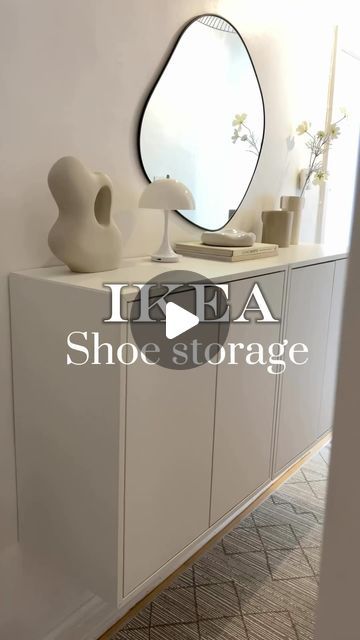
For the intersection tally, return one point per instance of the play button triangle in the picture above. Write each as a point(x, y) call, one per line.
point(178, 320)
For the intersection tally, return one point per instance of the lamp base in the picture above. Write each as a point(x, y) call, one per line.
point(159, 258)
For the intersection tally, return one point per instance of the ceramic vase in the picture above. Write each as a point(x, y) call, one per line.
point(277, 227)
point(296, 205)
point(84, 235)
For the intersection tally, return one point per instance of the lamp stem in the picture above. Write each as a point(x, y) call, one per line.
point(165, 252)
point(166, 228)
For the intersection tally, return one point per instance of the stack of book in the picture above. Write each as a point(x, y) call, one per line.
point(229, 254)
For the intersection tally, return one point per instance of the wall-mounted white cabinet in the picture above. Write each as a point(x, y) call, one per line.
point(124, 472)
point(332, 351)
point(307, 321)
point(169, 432)
point(245, 405)
point(313, 317)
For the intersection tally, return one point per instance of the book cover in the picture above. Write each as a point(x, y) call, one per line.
point(232, 254)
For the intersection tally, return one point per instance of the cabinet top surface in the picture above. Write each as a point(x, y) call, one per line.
point(140, 270)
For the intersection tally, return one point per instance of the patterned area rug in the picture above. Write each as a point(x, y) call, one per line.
point(259, 583)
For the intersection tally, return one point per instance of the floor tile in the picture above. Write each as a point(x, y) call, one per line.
point(297, 477)
point(242, 540)
point(141, 620)
point(212, 567)
point(270, 514)
point(223, 629)
point(304, 623)
point(278, 537)
point(288, 564)
point(298, 494)
point(260, 597)
point(308, 530)
point(270, 626)
point(175, 632)
point(134, 634)
point(316, 468)
point(301, 497)
point(318, 510)
point(174, 606)
point(249, 567)
point(246, 523)
point(185, 579)
point(319, 487)
point(217, 600)
point(299, 594)
point(326, 454)
point(313, 555)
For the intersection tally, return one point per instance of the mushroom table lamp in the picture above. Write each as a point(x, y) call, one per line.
point(167, 194)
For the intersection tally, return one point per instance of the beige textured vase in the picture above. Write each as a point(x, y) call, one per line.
point(277, 226)
point(295, 204)
point(84, 236)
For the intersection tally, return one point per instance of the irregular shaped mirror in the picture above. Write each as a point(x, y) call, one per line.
point(203, 122)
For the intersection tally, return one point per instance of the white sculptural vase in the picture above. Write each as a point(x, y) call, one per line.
point(84, 236)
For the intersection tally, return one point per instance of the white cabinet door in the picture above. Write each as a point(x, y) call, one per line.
point(245, 404)
point(309, 302)
point(331, 365)
point(169, 436)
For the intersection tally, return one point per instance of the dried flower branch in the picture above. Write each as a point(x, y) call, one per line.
point(244, 134)
point(318, 144)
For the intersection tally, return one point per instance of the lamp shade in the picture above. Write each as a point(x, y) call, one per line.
point(166, 193)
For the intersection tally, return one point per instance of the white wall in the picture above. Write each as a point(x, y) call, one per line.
point(73, 75)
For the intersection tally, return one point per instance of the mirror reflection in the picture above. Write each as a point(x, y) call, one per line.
point(203, 122)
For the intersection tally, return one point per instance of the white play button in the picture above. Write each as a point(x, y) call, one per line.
point(178, 320)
